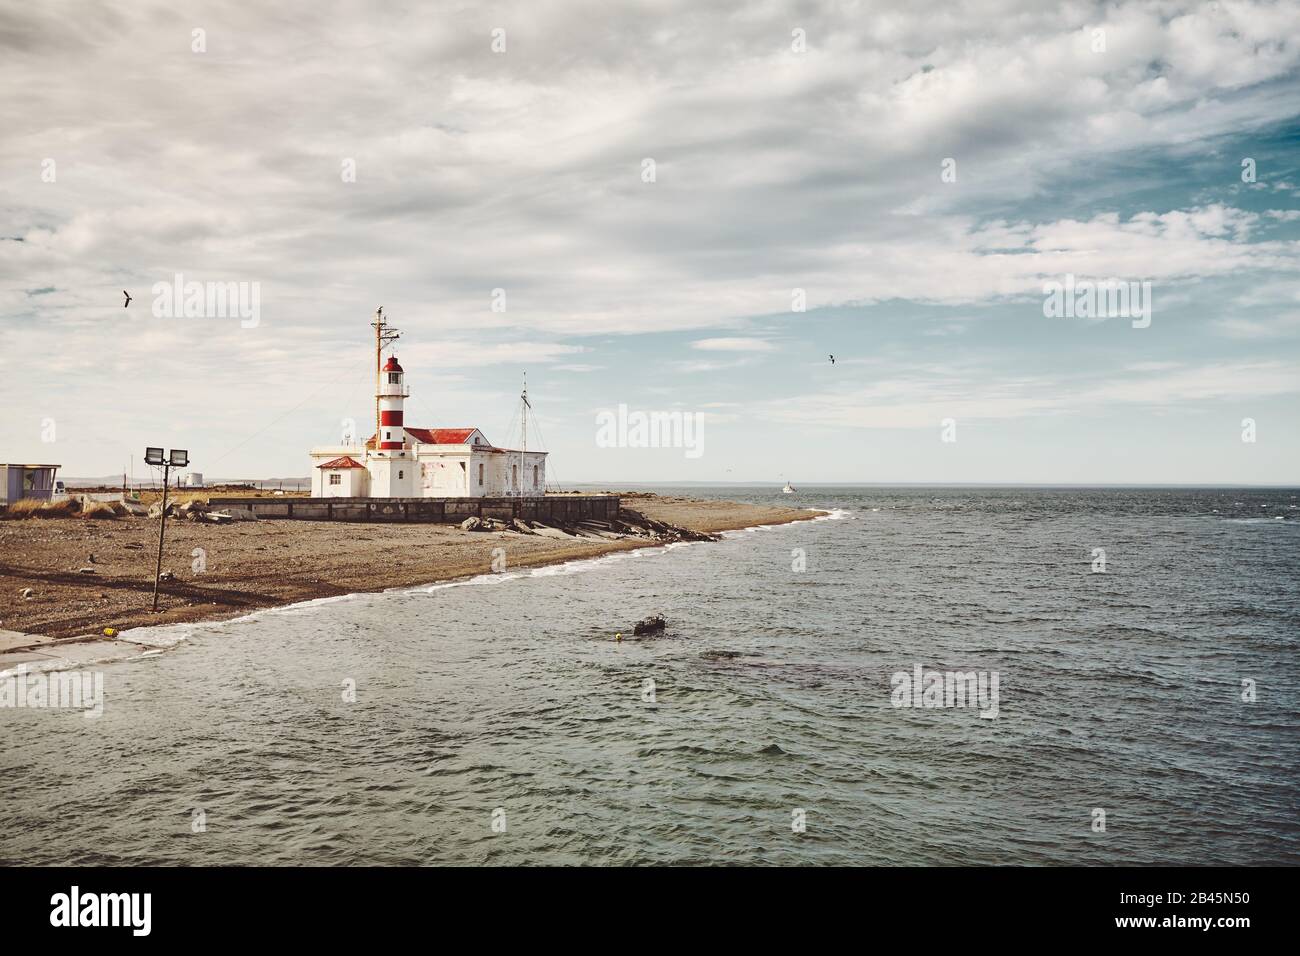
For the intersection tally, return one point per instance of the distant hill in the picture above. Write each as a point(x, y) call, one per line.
point(115, 481)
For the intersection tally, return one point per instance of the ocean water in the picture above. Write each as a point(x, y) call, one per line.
point(497, 721)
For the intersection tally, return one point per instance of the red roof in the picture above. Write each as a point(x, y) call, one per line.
point(344, 462)
point(441, 436)
point(436, 436)
point(392, 365)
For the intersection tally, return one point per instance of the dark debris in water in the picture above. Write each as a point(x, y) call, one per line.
point(724, 655)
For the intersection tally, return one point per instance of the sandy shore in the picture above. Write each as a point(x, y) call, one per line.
point(252, 565)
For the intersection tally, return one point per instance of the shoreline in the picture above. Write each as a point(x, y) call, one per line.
point(268, 564)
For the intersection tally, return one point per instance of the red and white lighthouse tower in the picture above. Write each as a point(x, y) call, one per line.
point(392, 393)
point(390, 462)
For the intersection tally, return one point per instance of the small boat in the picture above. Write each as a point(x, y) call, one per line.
point(651, 625)
point(788, 489)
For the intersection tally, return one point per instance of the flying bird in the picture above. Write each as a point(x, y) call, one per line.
point(128, 298)
point(832, 359)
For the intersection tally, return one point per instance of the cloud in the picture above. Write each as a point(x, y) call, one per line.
point(733, 345)
point(925, 397)
point(469, 354)
point(578, 368)
point(521, 171)
point(1282, 326)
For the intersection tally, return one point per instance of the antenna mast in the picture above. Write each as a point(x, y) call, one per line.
point(384, 334)
point(523, 397)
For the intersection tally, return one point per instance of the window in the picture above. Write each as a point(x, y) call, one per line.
point(534, 476)
point(480, 474)
point(394, 377)
point(476, 439)
point(514, 476)
point(336, 478)
point(400, 474)
point(387, 435)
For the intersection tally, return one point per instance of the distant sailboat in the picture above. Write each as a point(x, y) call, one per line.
point(788, 489)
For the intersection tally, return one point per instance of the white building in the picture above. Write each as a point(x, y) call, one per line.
point(26, 481)
point(405, 462)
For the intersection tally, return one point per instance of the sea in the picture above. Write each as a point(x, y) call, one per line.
point(1127, 692)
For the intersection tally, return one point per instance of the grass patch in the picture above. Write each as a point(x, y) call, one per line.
point(35, 508)
point(62, 508)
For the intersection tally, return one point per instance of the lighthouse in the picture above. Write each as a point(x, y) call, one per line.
point(402, 461)
point(392, 392)
point(391, 462)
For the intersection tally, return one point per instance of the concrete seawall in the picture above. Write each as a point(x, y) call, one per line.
point(558, 509)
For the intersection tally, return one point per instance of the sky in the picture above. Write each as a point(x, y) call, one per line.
point(676, 207)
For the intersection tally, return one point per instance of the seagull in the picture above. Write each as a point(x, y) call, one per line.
point(128, 298)
point(832, 359)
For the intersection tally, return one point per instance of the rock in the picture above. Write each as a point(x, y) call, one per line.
point(650, 625)
point(166, 576)
point(217, 517)
point(721, 655)
point(27, 594)
point(521, 526)
point(86, 571)
point(192, 510)
point(470, 524)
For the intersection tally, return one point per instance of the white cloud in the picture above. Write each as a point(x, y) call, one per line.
point(521, 171)
point(1282, 326)
point(924, 397)
point(733, 345)
point(461, 354)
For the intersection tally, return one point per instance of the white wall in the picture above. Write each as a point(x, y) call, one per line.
point(444, 476)
point(323, 453)
point(430, 471)
point(393, 475)
point(501, 477)
point(352, 483)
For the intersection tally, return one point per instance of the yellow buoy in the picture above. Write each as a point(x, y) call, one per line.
point(618, 637)
point(110, 632)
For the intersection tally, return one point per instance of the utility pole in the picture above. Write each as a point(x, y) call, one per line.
point(154, 456)
point(524, 411)
point(162, 529)
point(384, 333)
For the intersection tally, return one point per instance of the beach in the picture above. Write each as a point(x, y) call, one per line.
point(222, 571)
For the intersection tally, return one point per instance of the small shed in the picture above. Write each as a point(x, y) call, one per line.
point(341, 478)
point(26, 481)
